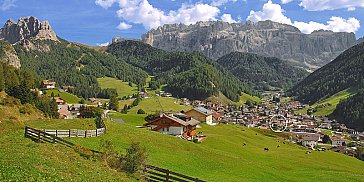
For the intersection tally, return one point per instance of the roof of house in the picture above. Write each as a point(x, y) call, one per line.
point(63, 112)
point(203, 110)
point(191, 122)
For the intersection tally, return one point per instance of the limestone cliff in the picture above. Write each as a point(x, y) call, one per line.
point(8, 54)
point(216, 39)
point(25, 29)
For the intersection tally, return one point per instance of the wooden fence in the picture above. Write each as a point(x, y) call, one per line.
point(151, 173)
point(156, 174)
point(76, 133)
point(41, 136)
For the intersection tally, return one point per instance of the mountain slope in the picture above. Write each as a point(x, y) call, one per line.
point(262, 72)
point(351, 111)
point(190, 75)
point(344, 72)
point(70, 64)
point(8, 54)
point(216, 39)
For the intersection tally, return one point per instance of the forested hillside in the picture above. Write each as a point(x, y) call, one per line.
point(190, 75)
point(73, 65)
point(344, 72)
point(351, 111)
point(261, 72)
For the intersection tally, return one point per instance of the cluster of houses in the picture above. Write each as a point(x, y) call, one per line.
point(162, 93)
point(306, 130)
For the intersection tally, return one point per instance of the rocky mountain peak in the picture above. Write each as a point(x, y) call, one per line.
point(216, 39)
point(27, 28)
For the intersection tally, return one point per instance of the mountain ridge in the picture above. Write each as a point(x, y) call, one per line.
point(27, 28)
point(216, 39)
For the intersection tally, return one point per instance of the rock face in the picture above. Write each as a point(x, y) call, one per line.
point(8, 54)
point(27, 28)
point(267, 38)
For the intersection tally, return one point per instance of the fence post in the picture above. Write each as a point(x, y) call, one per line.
point(96, 132)
point(69, 133)
point(56, 133)
point(54, 139)
point(85, 133)
point(38, 136)
point(167, 175)
point(26, 131)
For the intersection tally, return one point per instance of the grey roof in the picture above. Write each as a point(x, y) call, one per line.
point(203, 110)
point(191, 122)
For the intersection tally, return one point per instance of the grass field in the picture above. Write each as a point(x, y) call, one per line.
point(156, 104)
point(121, 87)
point(70, 98)
point(333, 100)
point(221, 98)
point(223, 157)
point(21, 159)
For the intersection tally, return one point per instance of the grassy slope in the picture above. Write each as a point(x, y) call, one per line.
point(155, 103)
point(121, 87)
point(222, 157)
point(21, 159)
point(221, 98)
point(70, 98)
point(333, 100)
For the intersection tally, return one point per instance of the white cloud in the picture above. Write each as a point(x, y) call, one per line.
point(124, 26)
point(7, 4)
point(275, 13)
point(351, 9)
point(221, 2)
point(286, 1)
point(227, 18)
point(103, 44)
point(142, 12)
point(320, 5)
point(105, 3)
point(270, 11)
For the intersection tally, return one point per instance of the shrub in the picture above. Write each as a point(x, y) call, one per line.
point(26, 109)
point(152, 117)
point(141, 111)
point(135, 159)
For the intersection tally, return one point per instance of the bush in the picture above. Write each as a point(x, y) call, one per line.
point(135, 159)
point(132, 162)
point(11, 101)
point(151, 117)
point(141, 111)
point(26, 109)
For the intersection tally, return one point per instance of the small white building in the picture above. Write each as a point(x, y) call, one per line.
point(338, 141)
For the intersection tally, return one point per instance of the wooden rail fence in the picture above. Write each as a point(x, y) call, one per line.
point(151, 173)
point(76, 133)
point(156, 174)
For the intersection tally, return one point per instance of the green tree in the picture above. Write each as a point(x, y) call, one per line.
point(114, 103)
point(135, 159)
point(140, 111)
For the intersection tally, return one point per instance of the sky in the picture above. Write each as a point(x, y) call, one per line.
point(96, 22)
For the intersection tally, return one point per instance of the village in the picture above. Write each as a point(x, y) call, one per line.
point(313, 132)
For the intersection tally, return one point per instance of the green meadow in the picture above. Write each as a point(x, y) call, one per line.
point(224, 157)
point(70, 98)
point(333, 100)
point(122, 88)
point(156, 104)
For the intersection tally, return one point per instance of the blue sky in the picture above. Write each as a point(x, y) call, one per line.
point(95, 22)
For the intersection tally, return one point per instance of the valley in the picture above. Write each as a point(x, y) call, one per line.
point(217, 101)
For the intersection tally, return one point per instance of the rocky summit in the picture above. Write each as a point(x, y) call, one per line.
point(216, 39)
point(25, 29)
